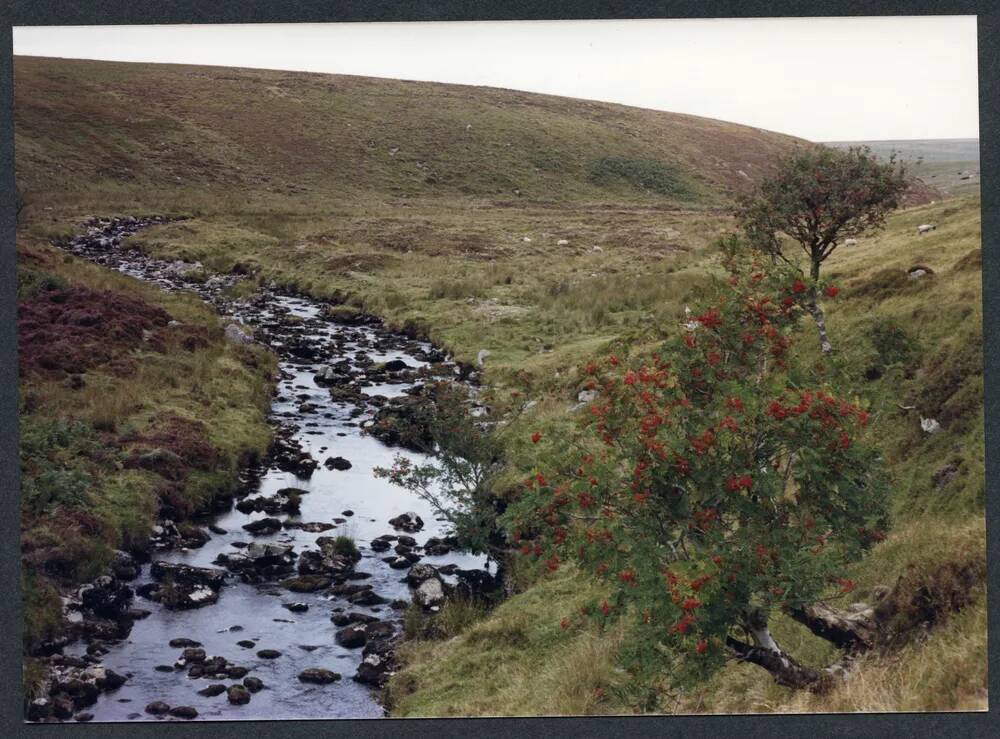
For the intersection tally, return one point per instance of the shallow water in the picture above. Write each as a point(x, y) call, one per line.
point(255, 611)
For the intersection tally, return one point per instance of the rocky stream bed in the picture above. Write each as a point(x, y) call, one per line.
point(259, 611)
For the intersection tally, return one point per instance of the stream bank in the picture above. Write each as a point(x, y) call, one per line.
point(285, 602)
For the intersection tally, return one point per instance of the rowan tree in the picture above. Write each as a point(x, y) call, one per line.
point(819, 197)
point(724, 482)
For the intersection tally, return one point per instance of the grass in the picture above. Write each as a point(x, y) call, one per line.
point(938, 521)
point(483, 671)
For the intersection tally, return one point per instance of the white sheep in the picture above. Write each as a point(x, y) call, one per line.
point(924, 228)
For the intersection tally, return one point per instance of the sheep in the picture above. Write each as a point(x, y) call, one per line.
point(924, 228)
point(850, 242)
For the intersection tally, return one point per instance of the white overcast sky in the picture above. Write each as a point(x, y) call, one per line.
point(824, 79)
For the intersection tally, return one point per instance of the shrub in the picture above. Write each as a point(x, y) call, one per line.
point(458, 481)
point(641, 174)
point(723, 484)
point(891, 342)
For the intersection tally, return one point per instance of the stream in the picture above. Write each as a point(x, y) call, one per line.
point(252, 612)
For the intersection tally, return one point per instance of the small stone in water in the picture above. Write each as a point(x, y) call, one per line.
point(268, 654)
point(246, 644)
point(183, 642)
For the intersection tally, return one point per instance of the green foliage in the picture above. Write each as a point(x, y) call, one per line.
point(30, 282)
point(52, 456)
point(820, 197)
point(891, 342)
point(641, 174)
point(458, 481)
point(455, 617)
point(42, 610)
point(727, 482)
point(344, 545)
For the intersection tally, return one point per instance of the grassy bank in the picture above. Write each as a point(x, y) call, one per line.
point(938, 522)
point(131, 401)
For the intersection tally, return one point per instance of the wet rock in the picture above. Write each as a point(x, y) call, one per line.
point(367, 598)
point(183, 643)
point(318, 675)
point(337, 463)
point(382, 543)
point(435, 547)
point(212, 690)
point(235, 672)
point(288, 492)
point(296, 607)
point(396, 365)
point(217, 530)
point(429, 593)
point(475, 584)
point(238, 695)
point(312, 527)
point(399, 563)
point(124, 566)
point(408, 521)
point(182, 586)
point(181, 574)
point(333, 547)
point(81, 686)
point(246, 644)
point(306, 583)
point(83, 717)
point(102, 629)
point(263, 526)
point(374, 670)
point(404, 421)
point(62, 707)
point(260, 562)
point(332, 375)
point(185, 712)
point(419, 573)
point(193, 655)
point(270, 504)
point(39, 709)
point(157, 708)
point(106, 597)
point(110, 680)
point(253, 684)
point(351, 637)
point(269, 654)
point(354, 617)
point(164, 668)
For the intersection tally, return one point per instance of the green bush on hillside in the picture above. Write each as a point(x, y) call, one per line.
point(642, 174)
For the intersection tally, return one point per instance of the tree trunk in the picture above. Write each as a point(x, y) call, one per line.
point(785, 670)
point(817, 314)
point(854, 631)
point(813, 303)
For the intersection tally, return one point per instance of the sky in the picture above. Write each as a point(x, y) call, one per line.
point(823, 79)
